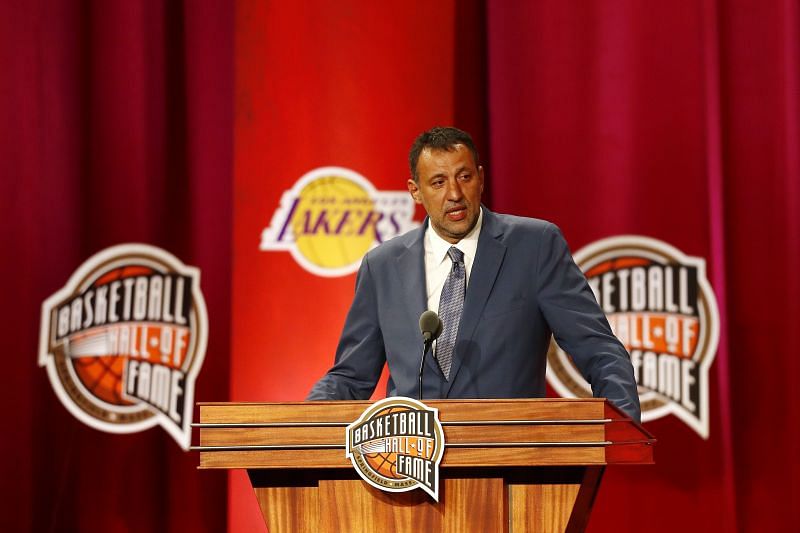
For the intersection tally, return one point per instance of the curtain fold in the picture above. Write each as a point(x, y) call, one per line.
point(677, 121)
point(760, 69)
point(117, 127)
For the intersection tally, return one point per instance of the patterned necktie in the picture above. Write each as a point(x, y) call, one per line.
point(451, 305)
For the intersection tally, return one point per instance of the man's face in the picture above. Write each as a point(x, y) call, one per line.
point(449, 187)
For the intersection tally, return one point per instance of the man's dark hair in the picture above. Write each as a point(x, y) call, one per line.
point(439, 138)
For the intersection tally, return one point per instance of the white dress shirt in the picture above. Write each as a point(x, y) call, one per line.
point(438, 263)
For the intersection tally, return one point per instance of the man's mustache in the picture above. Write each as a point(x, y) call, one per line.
point(454, 207)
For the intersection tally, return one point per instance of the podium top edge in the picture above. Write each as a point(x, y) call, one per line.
point(427, 400)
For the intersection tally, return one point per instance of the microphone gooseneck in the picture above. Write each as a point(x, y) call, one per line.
point(430, 325)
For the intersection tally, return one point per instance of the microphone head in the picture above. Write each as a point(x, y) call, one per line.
point(430, 325)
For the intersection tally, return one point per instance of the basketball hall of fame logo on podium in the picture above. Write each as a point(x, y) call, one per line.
point(660, 305)
point(124, 340)
point(333, 216)
point(396, 446)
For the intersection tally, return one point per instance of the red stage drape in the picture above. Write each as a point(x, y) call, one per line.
point(676, 120)
point(116, 127)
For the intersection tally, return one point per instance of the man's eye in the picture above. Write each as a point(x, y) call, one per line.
point(465, 177)
point(438, 183)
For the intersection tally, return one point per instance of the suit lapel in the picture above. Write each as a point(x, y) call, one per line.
point(488, 258)
point(411, 273)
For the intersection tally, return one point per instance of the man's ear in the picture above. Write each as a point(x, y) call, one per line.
point(480, 173)
point(413, 188)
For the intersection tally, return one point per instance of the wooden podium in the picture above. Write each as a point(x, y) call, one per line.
point(508, 465)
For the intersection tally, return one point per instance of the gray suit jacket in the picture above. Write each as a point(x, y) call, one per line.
point(523, 286)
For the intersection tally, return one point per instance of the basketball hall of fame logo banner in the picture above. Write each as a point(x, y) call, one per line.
point(332, 216)
point(661, 306)
point(396, 445)
point(124, 340)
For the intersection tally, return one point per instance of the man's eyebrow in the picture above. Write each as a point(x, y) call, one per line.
point(443, 174)
point(438, 175)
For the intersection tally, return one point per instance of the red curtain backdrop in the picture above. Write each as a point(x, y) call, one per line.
point(116, 127)
point(180, 124)
point(679, 121)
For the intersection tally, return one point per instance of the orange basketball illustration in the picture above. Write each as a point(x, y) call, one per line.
point(385, 463)
point(102, 375)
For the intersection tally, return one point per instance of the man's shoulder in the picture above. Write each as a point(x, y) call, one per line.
point(510, 224)
point(394, 247)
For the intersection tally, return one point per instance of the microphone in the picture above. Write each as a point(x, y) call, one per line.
point(430, 325)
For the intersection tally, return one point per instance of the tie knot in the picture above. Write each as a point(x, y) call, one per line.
point(456, 255)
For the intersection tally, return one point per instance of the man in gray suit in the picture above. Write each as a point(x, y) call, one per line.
point(502, 285)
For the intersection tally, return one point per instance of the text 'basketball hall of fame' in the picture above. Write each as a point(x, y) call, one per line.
point(396, 446)
point(124, 340)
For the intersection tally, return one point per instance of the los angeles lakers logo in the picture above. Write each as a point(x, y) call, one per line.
point(396, 446)
point(124, 340)
point(332, 217)
point(661, 306)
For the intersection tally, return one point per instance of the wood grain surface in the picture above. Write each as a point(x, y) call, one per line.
point(508, 465)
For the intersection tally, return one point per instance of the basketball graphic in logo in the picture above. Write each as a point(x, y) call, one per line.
point(660, 305)
point(385, 463)
point(124, 340)
point(396, 445)
point(332, 217)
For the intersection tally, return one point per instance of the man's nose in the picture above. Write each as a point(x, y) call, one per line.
point(454, 192)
